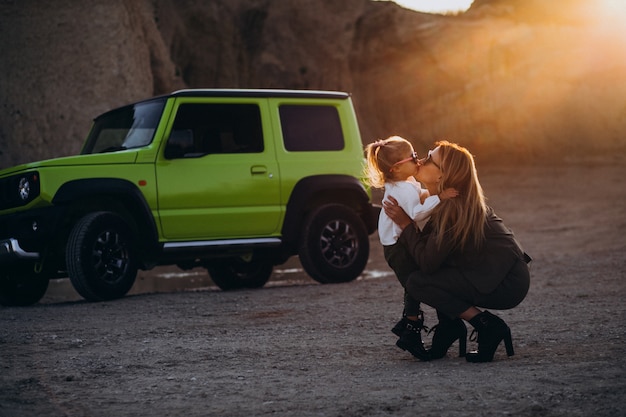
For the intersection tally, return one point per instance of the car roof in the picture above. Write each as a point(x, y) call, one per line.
point(258, 92)
point(239, 92)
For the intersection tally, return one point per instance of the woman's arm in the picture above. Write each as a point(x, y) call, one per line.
point(422, 246)
point(396, 213)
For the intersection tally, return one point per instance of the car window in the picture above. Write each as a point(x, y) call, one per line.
point(311, 128)
point(128, 127)
point(201, 129)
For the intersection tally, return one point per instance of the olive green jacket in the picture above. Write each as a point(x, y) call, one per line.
point(485, 266)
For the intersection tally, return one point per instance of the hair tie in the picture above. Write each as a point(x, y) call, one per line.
point(377, 145)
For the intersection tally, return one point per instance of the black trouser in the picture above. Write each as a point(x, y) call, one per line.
point(448, 291)
point(403, 264)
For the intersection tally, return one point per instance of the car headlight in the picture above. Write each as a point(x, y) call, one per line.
point(19, 190)
point(23, 188)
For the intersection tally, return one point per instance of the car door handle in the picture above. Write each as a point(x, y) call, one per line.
point(258, 169)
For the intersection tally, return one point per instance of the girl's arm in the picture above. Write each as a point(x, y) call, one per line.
point(448, 193)
point(423, 211)
point(424, 194)
point(407, 197)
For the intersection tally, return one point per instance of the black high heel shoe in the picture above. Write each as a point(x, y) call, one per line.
point(411, 339)
point(446, 333)
point(491, 331)
point(398, 329)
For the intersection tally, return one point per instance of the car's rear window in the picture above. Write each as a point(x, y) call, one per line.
point(311, 128)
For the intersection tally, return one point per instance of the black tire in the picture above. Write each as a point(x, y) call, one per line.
point(238, 273)
point(335, 246)
point(22, 287)
point(100, 257)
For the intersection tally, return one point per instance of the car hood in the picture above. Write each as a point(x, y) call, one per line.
point(125, 157)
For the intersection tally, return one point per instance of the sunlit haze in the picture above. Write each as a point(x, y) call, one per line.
point(435, 6)
point(550, 74)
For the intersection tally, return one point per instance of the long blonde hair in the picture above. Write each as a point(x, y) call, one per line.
point(381, 156)
point(462, 218)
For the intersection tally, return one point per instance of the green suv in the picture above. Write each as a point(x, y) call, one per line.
point(235, 181)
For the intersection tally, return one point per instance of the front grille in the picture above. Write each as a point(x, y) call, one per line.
point(5, 193)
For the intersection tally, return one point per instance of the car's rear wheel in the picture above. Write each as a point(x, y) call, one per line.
point(335, 245)
point(100, 256)
point(243, 272)
point(22, 286)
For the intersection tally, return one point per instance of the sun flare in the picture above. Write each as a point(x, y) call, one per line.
point(612, 12)
point(436, 6)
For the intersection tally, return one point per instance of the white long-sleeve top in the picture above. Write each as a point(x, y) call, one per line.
point(408, 195)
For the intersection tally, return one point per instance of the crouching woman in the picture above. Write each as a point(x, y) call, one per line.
point(468, 258)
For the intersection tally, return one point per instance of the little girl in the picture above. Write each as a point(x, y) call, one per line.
point(392, 164)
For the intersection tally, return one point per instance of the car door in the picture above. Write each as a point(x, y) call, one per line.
point(217, 174)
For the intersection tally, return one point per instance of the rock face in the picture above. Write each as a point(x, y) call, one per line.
point(509, 78)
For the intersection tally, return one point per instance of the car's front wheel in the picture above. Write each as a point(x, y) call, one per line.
point(244, 272)
point(335, 245)
point(101, 260)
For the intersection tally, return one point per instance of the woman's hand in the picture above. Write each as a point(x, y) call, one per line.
point(396, 213)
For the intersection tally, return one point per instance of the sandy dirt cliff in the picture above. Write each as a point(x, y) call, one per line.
point(507, 78)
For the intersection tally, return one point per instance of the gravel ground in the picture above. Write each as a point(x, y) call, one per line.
point(178, 346)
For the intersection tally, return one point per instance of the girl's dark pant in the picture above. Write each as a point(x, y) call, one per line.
point(403, 264)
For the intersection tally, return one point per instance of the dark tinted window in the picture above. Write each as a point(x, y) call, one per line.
point(201, 129)
point(311, 128)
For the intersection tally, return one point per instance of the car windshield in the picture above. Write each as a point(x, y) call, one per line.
point(128, 127)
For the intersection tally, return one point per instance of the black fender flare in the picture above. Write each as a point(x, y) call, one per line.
point(311, 192)
point(123, 191)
